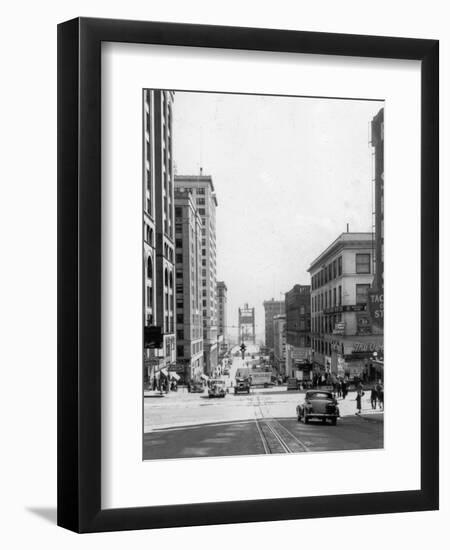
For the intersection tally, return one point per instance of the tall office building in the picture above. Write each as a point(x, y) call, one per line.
point(271, 308)
point(279, 343)
point(203, 193)
point(298, 332)
point(222, 309)
point(158, 206)
point(378, 151)
point(189, 325)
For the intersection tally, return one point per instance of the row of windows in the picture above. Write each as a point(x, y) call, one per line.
point(196, 348)
point(327, 273)
point(324, 324)
point(199, 190)
point(330, 298)
point(322, 347)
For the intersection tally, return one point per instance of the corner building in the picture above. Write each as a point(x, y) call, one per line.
point(203, 193)
point(158, 205)
point(342, 339)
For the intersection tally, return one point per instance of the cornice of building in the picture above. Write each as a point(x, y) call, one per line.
point(345, 240)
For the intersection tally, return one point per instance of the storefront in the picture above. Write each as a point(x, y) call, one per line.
point(358, 357)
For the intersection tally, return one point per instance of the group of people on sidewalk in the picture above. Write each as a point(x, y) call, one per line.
point(340, 389)
point(376, 396)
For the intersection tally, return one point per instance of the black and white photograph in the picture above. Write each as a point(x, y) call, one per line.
point(262, 274)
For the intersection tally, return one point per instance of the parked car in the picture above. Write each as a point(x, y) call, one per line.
point(217, 388)
point(242, 386)
point(293, 384)
point(196, 387)
point(318, 404)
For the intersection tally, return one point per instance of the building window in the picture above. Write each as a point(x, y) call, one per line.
point(178, 212)
point(180, 318)
point(180, 351)
point(179, 258)
point(149, 296)
point(361, 294)
point(340, 265)
point(334, 296)
point(339, 295)
point(362, 263)
point(200, 201)
point(178, 243)
point(149, 268)
point(201, 211)
point(302, 310)
point(180, 334)
point(201, 191)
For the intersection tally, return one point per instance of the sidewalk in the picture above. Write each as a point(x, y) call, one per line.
point(347, 407)
point(182, 391)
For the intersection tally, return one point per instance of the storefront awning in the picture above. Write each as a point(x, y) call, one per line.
point(164, 371)
point(174, 375)
point(204, 377)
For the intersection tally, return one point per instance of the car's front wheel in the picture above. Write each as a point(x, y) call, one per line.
point(305, 418)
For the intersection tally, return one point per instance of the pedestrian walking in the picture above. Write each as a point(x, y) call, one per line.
point(380, 390)
point(339, 388)
point(344, 389)
point(374, 397)
point(359, 396)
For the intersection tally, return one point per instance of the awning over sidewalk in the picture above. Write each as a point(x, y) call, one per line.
point(164, 371)
point(174, 375)
point(204, 377)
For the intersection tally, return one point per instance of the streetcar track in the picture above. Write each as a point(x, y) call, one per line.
point(276, 438)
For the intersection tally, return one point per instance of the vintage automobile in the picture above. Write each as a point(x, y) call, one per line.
point(242, 385)
point(217, 388)
point(318, 404)
point(196, 387)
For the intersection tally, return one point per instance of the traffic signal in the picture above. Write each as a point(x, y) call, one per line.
point(243, 348)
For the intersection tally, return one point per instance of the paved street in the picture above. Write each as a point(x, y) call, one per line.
point(182, 424)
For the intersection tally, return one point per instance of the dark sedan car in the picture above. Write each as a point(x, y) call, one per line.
point(318, 404)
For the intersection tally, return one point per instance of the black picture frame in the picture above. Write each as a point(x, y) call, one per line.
point(79, 274)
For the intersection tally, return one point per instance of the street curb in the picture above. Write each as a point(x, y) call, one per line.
point(377, 420)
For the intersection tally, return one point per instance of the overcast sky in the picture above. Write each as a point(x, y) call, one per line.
point(289, 173)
